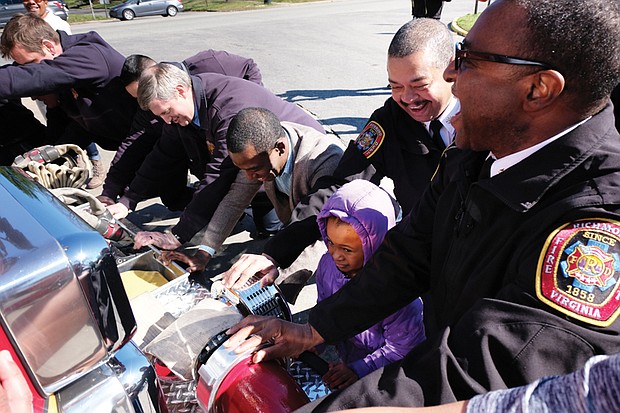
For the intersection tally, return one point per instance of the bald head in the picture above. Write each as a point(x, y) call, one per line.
point(257, 127)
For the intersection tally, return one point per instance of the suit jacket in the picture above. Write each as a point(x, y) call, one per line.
point(146, 128)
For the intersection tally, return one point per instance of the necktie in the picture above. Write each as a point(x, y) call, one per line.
point(485, 171)
point(435, 128)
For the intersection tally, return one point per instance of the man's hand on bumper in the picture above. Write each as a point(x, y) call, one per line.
point(118, 210)
point(163, 240)
point(289, 339)
point(249, 265)
point(196, 262)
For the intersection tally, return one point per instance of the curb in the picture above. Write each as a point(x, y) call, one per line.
point(457, 29)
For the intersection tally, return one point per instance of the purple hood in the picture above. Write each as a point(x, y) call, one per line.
point(366, 207)
point(371, 212)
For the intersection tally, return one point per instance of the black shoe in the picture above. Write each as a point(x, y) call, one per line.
point(264, 234)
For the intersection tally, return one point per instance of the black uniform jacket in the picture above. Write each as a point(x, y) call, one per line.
point(146, 127)
point(85, 77)
point(404, 153)
point(505, 286)
point(218, 99)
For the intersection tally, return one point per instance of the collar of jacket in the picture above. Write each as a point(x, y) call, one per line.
point(294, 138)
point(200, 101)
point(90, 38)
point(523, 185)
point(66, 40)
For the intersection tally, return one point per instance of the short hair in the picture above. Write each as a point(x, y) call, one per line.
point(421, 35)
point(28, 30)
point(258, 127)
point(159, 82)
point(133, 67)
point(580, 39)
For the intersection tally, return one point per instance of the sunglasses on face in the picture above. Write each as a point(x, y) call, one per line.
point(460, 54)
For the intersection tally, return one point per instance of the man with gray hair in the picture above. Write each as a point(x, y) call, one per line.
point(403, 140)
point(197, 111)
point(146, 127)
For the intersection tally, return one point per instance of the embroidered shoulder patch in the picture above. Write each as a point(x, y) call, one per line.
point(370, 139)
point(578, 271)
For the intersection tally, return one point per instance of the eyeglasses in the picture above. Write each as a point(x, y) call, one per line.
point(460, 55)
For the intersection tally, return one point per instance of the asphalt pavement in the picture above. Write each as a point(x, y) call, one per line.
point(328, 56)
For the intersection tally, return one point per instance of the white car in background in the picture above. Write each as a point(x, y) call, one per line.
point(137, 8)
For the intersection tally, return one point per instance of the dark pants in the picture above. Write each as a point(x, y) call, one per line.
point(264, 215)
point(21, 131)
point(427, 8)
point(177, 195)
point(62, 129)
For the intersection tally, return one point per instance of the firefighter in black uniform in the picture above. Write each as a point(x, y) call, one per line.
point(397, 142)
point(521, 255)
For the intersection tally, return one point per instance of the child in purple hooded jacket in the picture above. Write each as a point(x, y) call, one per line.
point(353, 223)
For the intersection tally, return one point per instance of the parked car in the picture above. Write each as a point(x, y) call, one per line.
point(9, 8)
point(138, 8)
point(59, 8)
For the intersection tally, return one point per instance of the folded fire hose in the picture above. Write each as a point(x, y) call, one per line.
point(57, 166)
point(96, 215)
